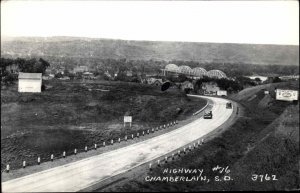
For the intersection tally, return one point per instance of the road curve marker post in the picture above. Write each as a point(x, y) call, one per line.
point(112, 141)
point(39, 160)
point(95, 146)
point(150, 166)
point(7, 168)
point(119, 140)
point(158, 163)
point(52, 157)
point(64, 154)
point(125, 137)
point(85, 148)
point(103, 143)
point(178, 153)
point(166, 159)
point(75, 151)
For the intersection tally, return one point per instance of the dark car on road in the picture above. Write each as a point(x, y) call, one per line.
point(228, 105)
point(208, 115)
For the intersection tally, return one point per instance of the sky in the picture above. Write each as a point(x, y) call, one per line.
point(254, 22)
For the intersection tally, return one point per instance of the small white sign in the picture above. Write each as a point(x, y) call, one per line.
point(127, 119)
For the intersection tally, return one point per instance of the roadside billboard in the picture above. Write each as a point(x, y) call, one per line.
point(286, 95)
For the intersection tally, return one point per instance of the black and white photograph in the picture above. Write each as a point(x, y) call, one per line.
point(149, 96)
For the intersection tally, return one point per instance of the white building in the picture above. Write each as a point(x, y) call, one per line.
point(30, 82)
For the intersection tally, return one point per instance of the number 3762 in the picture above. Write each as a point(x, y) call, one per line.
point(264, 177)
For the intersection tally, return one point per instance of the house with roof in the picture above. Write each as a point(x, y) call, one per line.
point(80, 69)
point(210, 88)
point(29, 82)
point(187, 85)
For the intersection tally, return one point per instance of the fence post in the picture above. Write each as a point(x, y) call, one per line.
point(7, 168)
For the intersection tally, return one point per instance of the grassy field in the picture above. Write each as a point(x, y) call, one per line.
point(70, 114)
point(265, 140)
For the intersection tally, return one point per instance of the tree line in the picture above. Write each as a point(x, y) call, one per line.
point(31, 65)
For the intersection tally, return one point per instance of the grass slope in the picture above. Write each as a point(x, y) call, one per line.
point(73, 114)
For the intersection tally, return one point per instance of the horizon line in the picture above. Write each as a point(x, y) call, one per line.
point(169, 41)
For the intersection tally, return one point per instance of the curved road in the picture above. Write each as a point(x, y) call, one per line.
point(78, 175)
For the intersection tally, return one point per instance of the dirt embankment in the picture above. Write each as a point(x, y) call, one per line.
point(72, 115)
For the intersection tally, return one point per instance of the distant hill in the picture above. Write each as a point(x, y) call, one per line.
point(146, 50)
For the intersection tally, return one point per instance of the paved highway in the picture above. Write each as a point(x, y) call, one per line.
point(78, 175)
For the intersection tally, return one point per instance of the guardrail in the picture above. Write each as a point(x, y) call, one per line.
point(105, 143)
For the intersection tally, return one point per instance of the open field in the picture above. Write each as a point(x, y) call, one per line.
point(73, 114)
point(265, 140)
